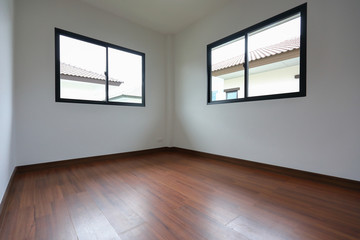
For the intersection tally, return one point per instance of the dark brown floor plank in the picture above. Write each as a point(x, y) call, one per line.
point(89, 222)
point(19, 224)
point(141, 232)
point(118, 213)
point(57, 225)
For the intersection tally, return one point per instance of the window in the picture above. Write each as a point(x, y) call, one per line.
point(231, 93)
point(264, 61)
point(92, 71)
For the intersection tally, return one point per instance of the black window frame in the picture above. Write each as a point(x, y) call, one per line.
point(302, 10)
point(60, 32)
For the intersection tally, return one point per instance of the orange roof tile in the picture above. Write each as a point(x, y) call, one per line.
point(67, 69)
point(285, 46)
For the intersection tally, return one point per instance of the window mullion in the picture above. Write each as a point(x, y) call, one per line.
point(246, 67)
point(107, 76)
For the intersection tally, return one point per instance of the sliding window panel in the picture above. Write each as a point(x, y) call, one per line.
point(125, 76)
point(82, 70)
point(227, 70)
point(274, 58)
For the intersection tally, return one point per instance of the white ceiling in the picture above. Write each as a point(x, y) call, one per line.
point(165, 16)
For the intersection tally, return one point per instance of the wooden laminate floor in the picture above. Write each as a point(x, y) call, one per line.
point(171, 195)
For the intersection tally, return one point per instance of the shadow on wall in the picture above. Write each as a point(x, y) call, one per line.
point(180, 134)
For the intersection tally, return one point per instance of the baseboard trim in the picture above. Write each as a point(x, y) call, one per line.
point(341, 182)
point(6, 200)
point(64, 163)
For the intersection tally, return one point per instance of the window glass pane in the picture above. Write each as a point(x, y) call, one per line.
point(125, 76)
point(82, 68)
point(274, 58)
point(227, 71)
point(231, 95)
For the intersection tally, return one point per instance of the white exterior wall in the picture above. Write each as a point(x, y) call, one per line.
point(48, 131)
point(7, 163)
point(274, 82)
point(318, 133)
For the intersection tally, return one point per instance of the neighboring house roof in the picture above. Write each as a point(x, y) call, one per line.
point(70, 72)
point(278, 48)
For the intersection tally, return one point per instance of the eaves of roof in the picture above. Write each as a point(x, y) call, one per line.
point(260, 53)
point(70, 70)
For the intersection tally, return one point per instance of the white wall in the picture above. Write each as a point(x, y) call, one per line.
point(169, 90)
point(6, 93)
point(317, 133)
point(49, 131)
